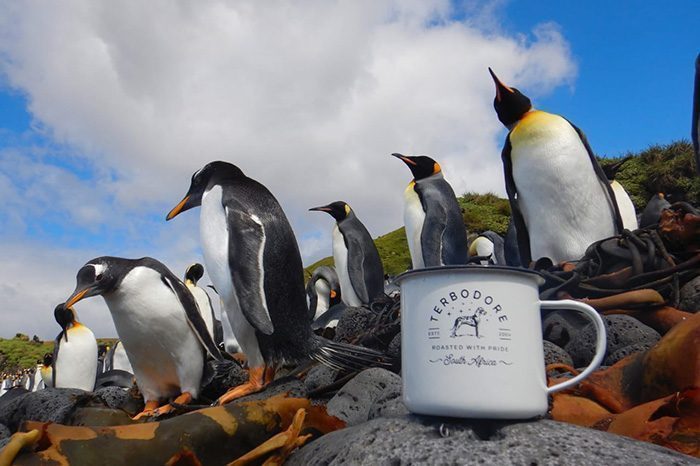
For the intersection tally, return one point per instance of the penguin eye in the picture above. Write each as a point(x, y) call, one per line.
point(98, 277)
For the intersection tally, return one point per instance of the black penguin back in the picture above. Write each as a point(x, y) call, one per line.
point(364, 264)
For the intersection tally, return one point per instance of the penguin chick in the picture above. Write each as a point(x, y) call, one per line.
point(434, 224)
point(322, 291)
point(560, 199)
point(355, 255)
point(253, 260)
point(192, 275)
point(158, 322)
point(74, 354)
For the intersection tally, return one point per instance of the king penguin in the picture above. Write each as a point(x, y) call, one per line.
point(323, 295)
point(192, 275)
point(253, 260)
point(74, 353)
point(489, 245)
point(229, 341)
point(46, 370)
point(695, 129)
point(560, 199)
point(355, 255)
point(434, 225)
point(158, 322)
point(117, 359)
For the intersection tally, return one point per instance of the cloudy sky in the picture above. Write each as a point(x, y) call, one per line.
point(107, 108)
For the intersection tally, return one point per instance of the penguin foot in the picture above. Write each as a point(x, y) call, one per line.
point(284, 443)
point(148, 410)
point(255, 383)
point(182, 399)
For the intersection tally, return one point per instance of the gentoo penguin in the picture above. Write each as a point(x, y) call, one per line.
point(652, 212)
point(696, 115)
point(230, 343)
point(434, 224)
point(117, 359)
point(192, 275)
point(356, 258)
point(158, 322)
point(322, 291)
point(560, 200)
point(46, 370)
point(74, 352)
point(488, 244)
point(253, 260)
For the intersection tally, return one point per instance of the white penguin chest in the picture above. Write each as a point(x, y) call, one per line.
point(154, 330)
point(413, 219)
point(323, 291)
point(564, 204)
point(76, 364)
point(340, 257)
point(213, 231)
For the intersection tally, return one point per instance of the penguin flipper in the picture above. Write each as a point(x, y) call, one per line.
point(56, 349)
point(246, 255)
point(696, 115)
point(602, 179)
point(516, 214)
point(362, 264)
point(194, 317)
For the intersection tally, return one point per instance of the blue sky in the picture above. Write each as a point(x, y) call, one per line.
point(106, 111)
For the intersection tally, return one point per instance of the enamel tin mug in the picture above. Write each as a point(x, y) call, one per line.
point(471, 342)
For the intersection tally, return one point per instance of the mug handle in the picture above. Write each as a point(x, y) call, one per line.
point(601, 344)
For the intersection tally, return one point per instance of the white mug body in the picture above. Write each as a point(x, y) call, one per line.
point(471, 343)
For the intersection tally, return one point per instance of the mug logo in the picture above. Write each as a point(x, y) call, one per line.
point(472, 321)
point(476, 325)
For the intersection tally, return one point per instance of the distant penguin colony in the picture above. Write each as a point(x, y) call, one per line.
point(560, 199)
point(561, 202)
point(253, 260)
point(434, 225)
point(355, 255)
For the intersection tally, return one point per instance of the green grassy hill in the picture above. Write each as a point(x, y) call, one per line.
point(21, 353)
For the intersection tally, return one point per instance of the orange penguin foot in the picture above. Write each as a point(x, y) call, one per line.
point(183, 399)
point(148, 410)
point(255, 383)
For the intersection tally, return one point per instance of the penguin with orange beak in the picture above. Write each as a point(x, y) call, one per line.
point(560, 199)
point(159, 324)
point(253, 260)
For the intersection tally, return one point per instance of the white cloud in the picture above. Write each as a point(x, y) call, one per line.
point(310, 98)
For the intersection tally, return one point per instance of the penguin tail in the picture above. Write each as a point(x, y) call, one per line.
point(342, 356)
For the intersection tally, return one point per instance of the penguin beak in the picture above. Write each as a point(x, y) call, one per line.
point(406, 160)
point(320, 209)
point(333, 294)
point(500, 87)
point(178, 208)
point(77, 296)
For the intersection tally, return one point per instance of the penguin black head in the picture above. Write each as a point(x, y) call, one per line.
point(48, 359)
point(65, 316)
point(421, 166)
point(194, 273)
point(211, 174)
point(100, 275)
point(510, 103)
point(339, 210)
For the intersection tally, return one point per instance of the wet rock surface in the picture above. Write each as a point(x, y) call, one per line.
point(4, 432)
point(51, 404)
point(622, 331)
point(291, 386)
point(113, 397)
point(555, 354)
point(319, 376)
point(690, 296)
point(355, 321)
point(420, 440)
point(354, 402)
point(559, 327)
